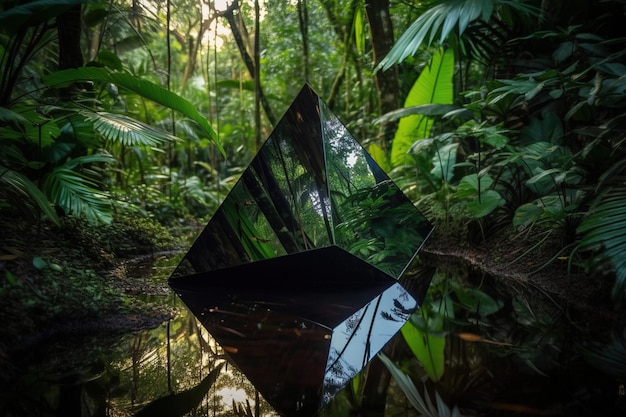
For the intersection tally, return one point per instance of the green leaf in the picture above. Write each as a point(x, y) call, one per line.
point(428, 347)
point(55, 267)
point(138, 86)
point(10, 278)
point(548, 129)
point(109, 59)
point(444, 161)
point(440, 19)
point(181, 403)
point(424, 109)
point(478, 301)
point(469, 185)
point(20, 192)
point(8, 116)
point(39, 263)
point(359, 31)
point(527, 214)
point(78, 194)
point(489, 201)
point(433, 86)
point(604, 228)
point(127, 131)
point(423, 405)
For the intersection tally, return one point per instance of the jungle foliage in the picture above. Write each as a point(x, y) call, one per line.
point(500, 114)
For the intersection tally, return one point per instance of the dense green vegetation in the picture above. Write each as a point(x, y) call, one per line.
point(498, 118)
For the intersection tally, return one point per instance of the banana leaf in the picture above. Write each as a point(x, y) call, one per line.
point(433, 86)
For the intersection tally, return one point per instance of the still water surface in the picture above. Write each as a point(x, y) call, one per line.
point(505, 351)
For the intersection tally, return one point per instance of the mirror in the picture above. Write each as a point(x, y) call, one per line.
point(297, 274)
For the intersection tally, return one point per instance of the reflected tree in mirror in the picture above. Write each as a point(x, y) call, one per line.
point(297, 274)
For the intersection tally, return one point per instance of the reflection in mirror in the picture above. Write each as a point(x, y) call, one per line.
point(296, 274)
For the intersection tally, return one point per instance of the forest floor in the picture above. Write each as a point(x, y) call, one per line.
point(81, 280)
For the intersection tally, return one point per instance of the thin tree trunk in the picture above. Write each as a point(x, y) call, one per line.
point(303, 19)
point(70, 53)
point(381, 31)
point(257, 76)
point(238, 31)
point(69, 30)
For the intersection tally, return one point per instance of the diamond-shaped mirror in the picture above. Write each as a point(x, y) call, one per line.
point(296, 274)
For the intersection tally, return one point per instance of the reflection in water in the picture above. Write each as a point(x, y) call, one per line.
point(299, 342)
point(533, 368)
point(357, 340)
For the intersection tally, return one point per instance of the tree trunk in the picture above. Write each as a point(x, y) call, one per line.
point(303, 20)
point(70, 54)
point(69, 29)
point(382, 37)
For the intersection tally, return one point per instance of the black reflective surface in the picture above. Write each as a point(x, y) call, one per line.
point(296, 274)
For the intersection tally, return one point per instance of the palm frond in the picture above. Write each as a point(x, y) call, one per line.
point(78, 194)
point(609, 358)
point(605, 228)
point(23, 194)
point(143, 88)
point(127, 131)
point(437, 24)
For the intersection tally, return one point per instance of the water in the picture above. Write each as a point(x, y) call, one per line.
point(495, 349)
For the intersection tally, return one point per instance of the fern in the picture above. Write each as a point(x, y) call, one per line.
point(20, 192)
point(605, 229)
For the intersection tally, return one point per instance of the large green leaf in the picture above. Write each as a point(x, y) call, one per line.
point(254, 244)
point(427, 346)
point(408, 387)
point(478, 301)
point(433, 86)
point(444, 162)
point(138, 86)
point(482, 199)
